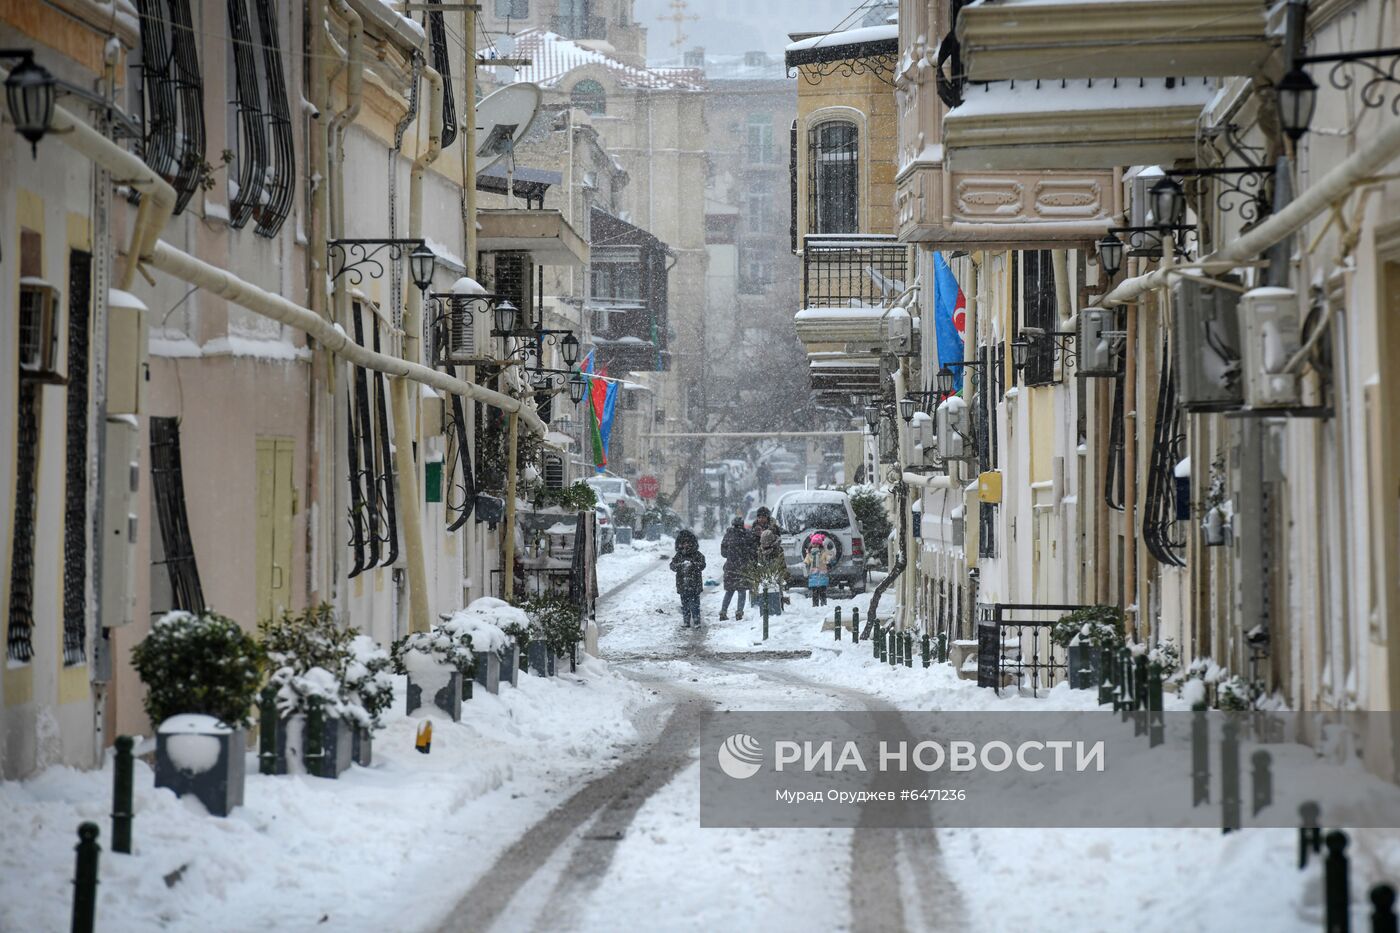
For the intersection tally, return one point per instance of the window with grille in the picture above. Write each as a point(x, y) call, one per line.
point(172, 97)
point(1039, 314)
point(75, 461)
point(168, 495)
point(261, 172)
point(553, 472)
point(280, 184)
point(589, 96)
point(442, 62)
point(28, 401)
point(833, 177)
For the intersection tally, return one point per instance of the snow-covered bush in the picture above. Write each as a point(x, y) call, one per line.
point(1167, 655)
point(868, 503)
point(198, 664)
point(439, 649)
point(1095, 626)
point(368, 686)
point(307, 655)
point(556, 619)
point(766, 577)
point(490, 624)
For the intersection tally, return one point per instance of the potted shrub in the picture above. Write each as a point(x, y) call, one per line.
point(437, 663)
point(624, 518)
point(766, 581)
point(521, 634)
point(371, 691)
point(557, 621)
point(308, 656)
point(483, 623)
point(1083, 634)
point(201, 674)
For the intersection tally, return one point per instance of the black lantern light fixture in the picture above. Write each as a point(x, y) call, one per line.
point(421, 264)
point(945, 381)
point(906, 408)
point(1020, 352)
point(569, 347)
point(578, 384)
point(29, 93)
point(1110, 250)
point(872, 418)
point(1168, 202)
point(505, 315)
point(1297, 99)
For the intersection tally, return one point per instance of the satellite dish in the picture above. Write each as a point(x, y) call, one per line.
point(502, 118)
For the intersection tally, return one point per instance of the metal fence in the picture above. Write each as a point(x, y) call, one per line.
point(850, 271)
point(1014, 646)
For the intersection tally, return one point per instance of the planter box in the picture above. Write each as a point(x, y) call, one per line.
point(1084, 667)
point(774, 601)
point(488, 672)
point(652, 532)
point(446, 693)
point(541, 660)
point(622, 535)
point(363, 747)
point(202, 757)
point(510, 665)
point(337, 747)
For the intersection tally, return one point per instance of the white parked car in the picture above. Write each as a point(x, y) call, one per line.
point(802, 513)
point(614, 489)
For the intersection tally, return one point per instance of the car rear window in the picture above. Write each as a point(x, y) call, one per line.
point(800, 516)
point(608, 487)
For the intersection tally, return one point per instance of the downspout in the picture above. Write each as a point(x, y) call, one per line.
point(1130, 424)
point(901, 491)
point(335, 138)
point(468, 133)
point(405, 427)
point(412, 312)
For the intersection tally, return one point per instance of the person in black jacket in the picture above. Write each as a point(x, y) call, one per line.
point(687, 564)
point(739, 548)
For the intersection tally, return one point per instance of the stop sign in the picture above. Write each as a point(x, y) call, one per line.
point(648, 487)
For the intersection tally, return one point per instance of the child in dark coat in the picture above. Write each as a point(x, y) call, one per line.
point(687, 564)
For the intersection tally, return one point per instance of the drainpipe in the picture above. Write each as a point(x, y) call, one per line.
point(468, 133)
point(335, 138)
point(412, 312)
point(1130, 423)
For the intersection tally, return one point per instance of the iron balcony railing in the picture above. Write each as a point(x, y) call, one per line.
point(852, 270)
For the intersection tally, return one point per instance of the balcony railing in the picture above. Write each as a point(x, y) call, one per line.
point(852, 270)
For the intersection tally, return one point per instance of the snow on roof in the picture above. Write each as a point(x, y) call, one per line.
point(883, 32)
point(552, 57)
point(1084, 94)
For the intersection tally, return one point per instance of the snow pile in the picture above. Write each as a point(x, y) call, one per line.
point(485, 623)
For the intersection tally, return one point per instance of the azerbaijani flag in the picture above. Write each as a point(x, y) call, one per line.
point(597, 396)
point(949, 318)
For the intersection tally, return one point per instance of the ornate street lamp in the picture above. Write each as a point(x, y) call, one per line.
point(1168, 202)
point(421, 263)
point(906, 408)
point(1110, 254)
point(29, 95)
point(872, 418)
point(945, 381)
point(569, 347)
point(1020, 352)
point(578, 384)
point(505, 314)
point(1297, 99)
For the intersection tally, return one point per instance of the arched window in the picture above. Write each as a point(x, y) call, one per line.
point(833, 177)
point(588, 95)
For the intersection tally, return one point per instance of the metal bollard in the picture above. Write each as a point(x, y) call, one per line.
point(927, 653)
point(942, 647)
point(1337, 884)
point(909, 650)
point(765, 616)
point(1310, 833)
point(891, 647)
point(836, 626)
point(1383, 909)
point(855, 625)
point(267, 731)
point(1230, 775)
point(1140, 695)
point(313, 731)
point(85, 879)
point(1125, 683)
point(1105, 675)
point(1200, 758)
point(1261, 781)
point(1156, 719)
point(121, 795)
point(877, 641)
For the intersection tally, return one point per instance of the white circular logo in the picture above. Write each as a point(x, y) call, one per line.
point(740, 756)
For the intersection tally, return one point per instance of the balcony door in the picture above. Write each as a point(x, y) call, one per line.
point(833, 180)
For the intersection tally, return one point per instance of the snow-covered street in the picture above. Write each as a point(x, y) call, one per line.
point(573, 804)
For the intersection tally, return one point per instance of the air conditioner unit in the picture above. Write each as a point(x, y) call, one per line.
point(1207, 339)
point(121, 480)
point(954, 423)
point(1270, 323)
point(1094, 345)
point(880, 330)
point(38, 326)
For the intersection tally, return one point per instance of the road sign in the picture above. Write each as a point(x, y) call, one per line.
point(648, 487)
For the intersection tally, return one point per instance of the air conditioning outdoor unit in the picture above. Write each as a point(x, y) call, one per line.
point(38, 326)
point(1207, 338)
point(1094, 343)
point(954, 422)
point(466, 333)
point(1269, 320)
point(120, 482)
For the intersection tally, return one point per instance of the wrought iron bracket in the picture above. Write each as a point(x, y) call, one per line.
point(1147, 241)
point(1377, 71)
point(354, 257)
point(1243, 188)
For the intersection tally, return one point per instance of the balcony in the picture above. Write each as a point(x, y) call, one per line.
point(544, 234)
point(1027, 39)
point(856, 270)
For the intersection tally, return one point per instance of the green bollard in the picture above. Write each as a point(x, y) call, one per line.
point(942, 647)
point(908, 649)
point(765, 616)
point(926, 649)
point(855, 625)
point(1125, 691)
point(877, 646)
point(121, 795)
point(1156, 719)
point(1140, 694)
point(85, 881)
point(836, 623)
point(314, 728)
point(267, 731)
point(892, 655)
point(1105, 675)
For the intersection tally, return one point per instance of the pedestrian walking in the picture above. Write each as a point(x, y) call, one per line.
point(818, 563)
point(739, 549)
point(687, 565)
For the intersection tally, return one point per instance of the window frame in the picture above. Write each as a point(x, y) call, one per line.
point(845, 156)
